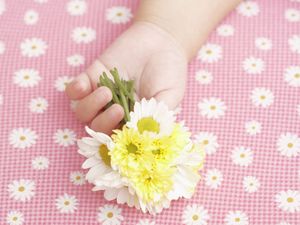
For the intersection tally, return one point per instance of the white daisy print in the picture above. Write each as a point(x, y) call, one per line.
point(41, 1)
point(225, 30)
point(288, 144)
point(77, 178)
point(208, 141)
point(62, 82)
point(294, 43)
point(2, 47)
point(33, 47)
point(236, 218)
point(248, 8)
point(110, 215)
point(38, 105)
point(263, 43)
point(75, 60)
point(242, 156)
point(292, 76)
point(253, 65)
point(292, 15)
point(15, 218)
point(22, 138)
point(146, 222)
point(21, 190)
point(204, 77)
point(284, 223)
point(288, 201)
point(213, 178)
point(195, 215)
point(251, 184)
point(65, 137)
point(1, 99)
point(83, 35)
point(26, 78)
point(118, 15)
point(66, 203)
point(2, 7)
point(212, 108)
point(40, 163)
point(76, 7)
point(262, 97)
point(210, 53)
point(253, 127)
point(31, 17)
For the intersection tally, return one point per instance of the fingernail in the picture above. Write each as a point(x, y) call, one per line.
point(78, 84)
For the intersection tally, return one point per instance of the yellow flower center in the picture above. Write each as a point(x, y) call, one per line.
point(103, 152)
point(33, 47)
point(119, 14)
point(15, 218)
point(208, 52)
point(297, 75)
point(77, 177)
point(109, 215)
point(214, 178)
point(195, 217)
point(21, 189)
point(148, 124)
point(22, 138)
point(26, 77)
point(65, 136)
point(205, 142)
point(242, 155)
point(290, 200)
point(237, 219)
point(213, 107)
point(67, 203)
point(290, 145)
point(132, 148)
point(262, 97)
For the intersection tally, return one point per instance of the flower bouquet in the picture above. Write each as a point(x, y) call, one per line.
point(148, 162)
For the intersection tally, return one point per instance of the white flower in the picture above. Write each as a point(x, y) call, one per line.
point(38, 105)
point(2, 7)
point(2, 47)
point(64, 137)
point(225, 30)
point(251, 184)
point(75, 60)
point(195, 215)
point(288, 201)
point(76, 7)
point(248, 8)
point(66, 203)
point(236, 218)
point(22, 138)
point(253, 65)
point(31, 17)
point(41, 1)
point(40, 163)
point(294, 43)
point(15, 218)
point(242, 156)
point(77, 178)
point(118, 14)
point(212, 108)
point(21, 190)
point(288, 144)
point(208, 141)
point(1, 99)
point(204, 77)
point(210, 53)
point(292, 76)
point(262, 97)
point(146, 222)
point(110, 215)
point(263, 43)
point(253, 127)
point(33, 47)
point(26, 78)
point(61, 83)
point(292, 15)
point(83, 35)
point(213, 178)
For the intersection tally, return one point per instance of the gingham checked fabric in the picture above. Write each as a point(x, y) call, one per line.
point(242, 102)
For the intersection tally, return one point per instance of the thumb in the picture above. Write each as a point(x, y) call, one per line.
point(171, 97)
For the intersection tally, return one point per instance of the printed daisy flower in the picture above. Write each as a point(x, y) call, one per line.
point(31, 17)
point(212, 108)
point(33, 47)
point(76, 7)
point(41, 1)
point(77, 178)
point(251, 184)
point(62, 82)
point(225, 30)
point(248, 8)
point(26, 78)
point(253, 65)
point(40, 163)
point(263, 43)
point(75, 60)
point(195, 215)
point(292, 15)
point(236, 218)
point(292, 76)
point(204, 77)
point(118, 15)
point(110, 215)
point(242, 156)
point(210, 53)
point(208, 141)
point(262, 97)
point(21, 190)
point(15, 218)
point(22, 138)
point(253, 127)
point(2, 47)
point(145, 222)
point(213, 178)
point(64, 137)
point(38, 105)
point(66, 203)
point(2, 7)
point(1, 99)
point(294, 43)
point(284, 223)
point(83, 35)
point(288, 144)
point(288, 201)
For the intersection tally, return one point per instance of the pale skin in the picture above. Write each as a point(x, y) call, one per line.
point(154, 51)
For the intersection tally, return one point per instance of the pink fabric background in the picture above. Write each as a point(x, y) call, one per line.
point(230, 83)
